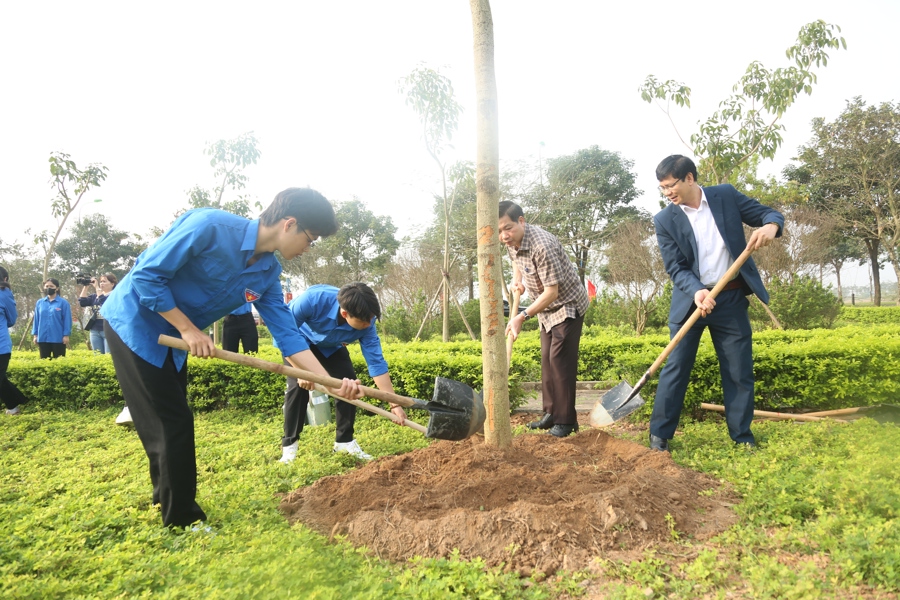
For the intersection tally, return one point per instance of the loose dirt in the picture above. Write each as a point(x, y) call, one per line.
point(542, 505)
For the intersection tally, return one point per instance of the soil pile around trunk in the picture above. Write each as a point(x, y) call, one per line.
point(542, 505)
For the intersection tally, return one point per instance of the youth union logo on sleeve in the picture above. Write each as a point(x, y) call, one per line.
point(250, 295)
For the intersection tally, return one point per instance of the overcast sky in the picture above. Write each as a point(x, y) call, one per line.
point(143, 90)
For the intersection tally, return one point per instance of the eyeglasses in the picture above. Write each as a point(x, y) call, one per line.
point(311, 241)
point(665, 189)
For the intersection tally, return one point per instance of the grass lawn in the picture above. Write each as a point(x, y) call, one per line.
point(818, 519)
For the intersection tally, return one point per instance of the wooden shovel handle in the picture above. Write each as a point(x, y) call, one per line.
point(841, 411)
point(730, 274)
point(372, 408)
point(330, 382)
point(513, 311)
point(769, 414)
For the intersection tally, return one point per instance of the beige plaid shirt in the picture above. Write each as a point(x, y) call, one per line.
point(542, 260)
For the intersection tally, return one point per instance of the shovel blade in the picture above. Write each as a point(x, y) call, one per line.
point(457, 411)
point(615, 405)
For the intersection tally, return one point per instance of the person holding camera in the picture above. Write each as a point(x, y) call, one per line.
point(52, 322)
point(94, 325)
point(9, 393)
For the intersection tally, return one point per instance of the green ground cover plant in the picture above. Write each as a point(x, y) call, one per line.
point(76, 519)
point(818, 518)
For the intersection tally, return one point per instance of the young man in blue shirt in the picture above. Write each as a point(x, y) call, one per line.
point(206, 265)
point(328, 320)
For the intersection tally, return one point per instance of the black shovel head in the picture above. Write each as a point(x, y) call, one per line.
point(457, 411)
point(615, 405)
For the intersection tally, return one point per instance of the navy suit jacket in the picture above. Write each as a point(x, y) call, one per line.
point(678, 247)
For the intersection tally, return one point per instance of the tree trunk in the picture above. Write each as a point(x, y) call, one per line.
point(837, 272)
point(895, 262)
point(446, 269)
point(872, 246)
point(497, 428)
point(471, 269)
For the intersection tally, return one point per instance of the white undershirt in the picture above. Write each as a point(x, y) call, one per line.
point(714, 257)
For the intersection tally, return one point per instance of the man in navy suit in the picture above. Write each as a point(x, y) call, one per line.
point(699, 235)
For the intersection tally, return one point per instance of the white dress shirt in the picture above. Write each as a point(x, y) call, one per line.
point(713, 254)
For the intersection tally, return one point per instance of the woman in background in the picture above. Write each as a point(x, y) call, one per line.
point(102, 289)
point(9, 393)
point(52, 322)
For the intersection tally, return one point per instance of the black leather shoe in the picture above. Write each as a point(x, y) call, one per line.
point(546, 422)
point(563, 430)
point(658, 444)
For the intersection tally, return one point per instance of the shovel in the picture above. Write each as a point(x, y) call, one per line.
point(457, 411)
point(513, 311)
point(623, 400)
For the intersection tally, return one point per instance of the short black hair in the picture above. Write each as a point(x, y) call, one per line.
point(51, 280)
point(677, 166)
point(510, 209)
point(359, 301)
point(312, 210)
point(4, 278)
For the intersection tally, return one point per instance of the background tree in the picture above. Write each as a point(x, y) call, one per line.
point(407, 295)
point(95, 247)
point(361, 250)
point(634, 266)
point(229, 159)
point(586, 190)
point(497, 429)
point(71, 184)
point(460, 233)
point(747, 123)
point(431, 95)
point(853, 168)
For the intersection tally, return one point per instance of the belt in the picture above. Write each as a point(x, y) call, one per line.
point(734, 284)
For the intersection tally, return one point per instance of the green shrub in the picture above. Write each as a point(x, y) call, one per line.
point(869, 315)
point(823, 369)
point(801, 304)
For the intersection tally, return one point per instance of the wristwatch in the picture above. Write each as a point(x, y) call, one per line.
point(527, 316)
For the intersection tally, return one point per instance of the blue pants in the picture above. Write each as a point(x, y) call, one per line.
point(98, 341)
point(729, 328)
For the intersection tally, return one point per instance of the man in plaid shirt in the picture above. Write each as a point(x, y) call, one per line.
point(540, 264)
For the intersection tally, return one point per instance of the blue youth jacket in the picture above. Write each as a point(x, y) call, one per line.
point(200, 266)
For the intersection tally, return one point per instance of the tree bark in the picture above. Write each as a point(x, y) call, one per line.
point(873, 249)
point(497, 428)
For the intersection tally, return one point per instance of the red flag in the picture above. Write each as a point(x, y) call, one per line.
point(591, 289)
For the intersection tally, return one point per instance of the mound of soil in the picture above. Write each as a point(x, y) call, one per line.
point(542, 505)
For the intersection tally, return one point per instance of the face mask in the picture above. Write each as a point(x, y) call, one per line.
point(50, 291)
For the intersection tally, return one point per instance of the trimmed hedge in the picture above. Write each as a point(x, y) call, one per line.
point(870, 315)
point(814, 369)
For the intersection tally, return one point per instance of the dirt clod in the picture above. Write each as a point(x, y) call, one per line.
point(542, 505)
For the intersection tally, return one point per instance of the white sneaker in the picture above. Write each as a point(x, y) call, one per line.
point(14, 410)
point(201, 527)
point(124, 417)
point(289, 453)
point(351, 448)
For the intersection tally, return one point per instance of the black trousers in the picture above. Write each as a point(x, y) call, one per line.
point(296, 400)
point(559, 370)
point(51, 349)
point(157, 399)
point(9, 393)
point(240, 328)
